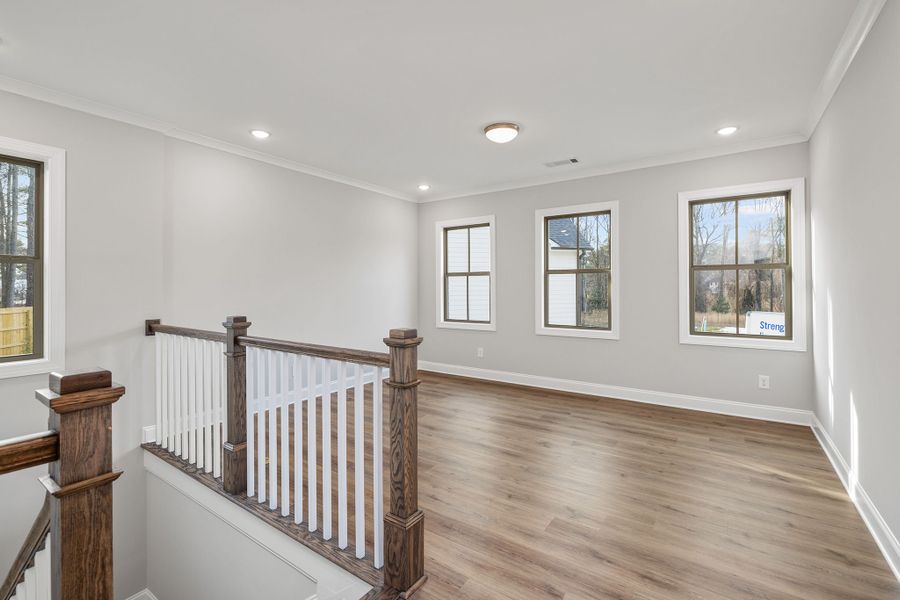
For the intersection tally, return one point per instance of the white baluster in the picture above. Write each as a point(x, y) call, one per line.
point(285, 438)
point(217, 398)
point(251, 401)
point(158, 343)
point(208, 403)
point(359, 448)
point(192, 400)
point(263, 404)
point(170, 401)
point(377, 469)
point(298, 439)
point(198, 389)
point(342, 455)
point(223, 401)
point(42, 568)
point(179, 396)
point(326, 449)
point(30, 584)
point(273, 431)
point(162, 434)
point(311, 453)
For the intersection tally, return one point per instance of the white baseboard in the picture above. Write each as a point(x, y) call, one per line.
point(793, 416)
point(144, 594)
point(878, 527)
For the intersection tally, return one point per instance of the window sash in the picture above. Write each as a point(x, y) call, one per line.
point(468, 273)
point(35, 261)
point(737, 267)
point(576, 271)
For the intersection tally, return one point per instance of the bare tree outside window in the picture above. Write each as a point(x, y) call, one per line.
point(21, 269)
point(740, 273)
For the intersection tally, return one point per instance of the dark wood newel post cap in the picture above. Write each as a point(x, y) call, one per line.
point(236, 322)
point(69, 382)
point(404, 334)
point(148, 326)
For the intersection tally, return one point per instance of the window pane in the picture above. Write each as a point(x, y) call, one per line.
point(457, 250)
point(456, 298)
point(593, 300)
point(715, 294)
point(561, 296)
point(16, 309)
point(593, 240)
point(480, 298)
point(763, 225)
point(480, 243)
point(713, 233)
point(562, 240)
point(17, 209)
point(762, 294)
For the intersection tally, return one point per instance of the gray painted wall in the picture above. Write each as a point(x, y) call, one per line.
point(162, 228)
point(195, 555)
point(855, 166)
point(114, 276)
point(303, 258)
point(648, 356)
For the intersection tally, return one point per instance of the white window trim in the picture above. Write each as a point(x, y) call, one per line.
point(54, 256)
point(539, 215)
point(439, 271)
point(797, 189)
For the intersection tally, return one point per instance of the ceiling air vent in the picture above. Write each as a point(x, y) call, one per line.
point(560, 163)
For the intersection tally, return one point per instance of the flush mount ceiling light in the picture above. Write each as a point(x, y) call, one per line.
point(424, 187)
point(726, 131)
point(259, 134)
point(501, 133)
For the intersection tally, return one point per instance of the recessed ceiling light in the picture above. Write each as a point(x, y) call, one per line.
point(726, 131)
point(501, 133)
point(259, 134)
point(424, 187)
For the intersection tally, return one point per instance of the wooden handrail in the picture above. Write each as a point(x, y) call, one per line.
point(30, 547)
point(28, 451)
point(153, 326)
point(365, 357)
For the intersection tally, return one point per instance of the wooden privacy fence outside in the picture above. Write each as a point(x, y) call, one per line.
point(16, 327)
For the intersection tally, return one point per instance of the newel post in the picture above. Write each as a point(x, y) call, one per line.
point(234, 467)
point(404, 524)
point(80, 483)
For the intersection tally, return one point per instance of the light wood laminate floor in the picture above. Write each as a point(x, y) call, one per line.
point(533, 494)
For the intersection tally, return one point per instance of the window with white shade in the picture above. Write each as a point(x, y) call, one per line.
point(466, 267)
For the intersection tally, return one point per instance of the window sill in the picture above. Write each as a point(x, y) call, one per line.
point(24, 368)
point(603, 334)
point(795, 345)
point(467, 326)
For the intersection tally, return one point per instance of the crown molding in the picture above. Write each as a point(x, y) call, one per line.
point(632, 165)
point(44, 94)
point(858, 28)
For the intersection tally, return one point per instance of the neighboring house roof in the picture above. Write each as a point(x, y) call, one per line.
point(562, 232)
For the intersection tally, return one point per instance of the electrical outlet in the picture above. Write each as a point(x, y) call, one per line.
point(763, 382)
point(479, 353)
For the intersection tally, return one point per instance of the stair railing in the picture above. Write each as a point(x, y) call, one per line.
point(235, 400)
point(77, 512)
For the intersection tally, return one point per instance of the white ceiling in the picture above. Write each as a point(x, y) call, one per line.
point(394, 93)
